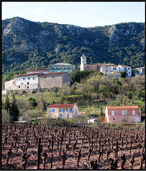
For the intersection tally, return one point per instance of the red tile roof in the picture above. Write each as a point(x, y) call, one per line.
point(25, 75)
point(38, 69)
point(125, 66)
point(40, 74)
point(61, 106)
point(122, 107)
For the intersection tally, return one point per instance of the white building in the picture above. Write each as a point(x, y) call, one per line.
point(123, 68)
point(83, 62)
point(26, 81)
point(9, 85)
point(109, 69)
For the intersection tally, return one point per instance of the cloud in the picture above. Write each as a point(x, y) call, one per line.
point(39, 11)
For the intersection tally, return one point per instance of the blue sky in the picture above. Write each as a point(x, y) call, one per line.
point(84, 14)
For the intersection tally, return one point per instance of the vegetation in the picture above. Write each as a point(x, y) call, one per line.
point(11, 112)
point(91, 94)
point(49, 43)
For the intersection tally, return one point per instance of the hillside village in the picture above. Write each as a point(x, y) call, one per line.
point(73, 86)
point(58, 75)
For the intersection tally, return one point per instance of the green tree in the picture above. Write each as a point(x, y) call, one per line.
point(32, 102)
point(101, 112)
point(14, 111)
point(7, 104)
point(6, 118)
point(123, 74)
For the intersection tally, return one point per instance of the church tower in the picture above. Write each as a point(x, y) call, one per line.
point(83, 62)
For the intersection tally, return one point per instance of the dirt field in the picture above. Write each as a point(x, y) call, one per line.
point(71, 139)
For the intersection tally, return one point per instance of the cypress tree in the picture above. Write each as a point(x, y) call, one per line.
point(101, 113)
point(14, 111)
point(7, 104)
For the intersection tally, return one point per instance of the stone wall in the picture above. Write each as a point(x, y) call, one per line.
point(50, 81)
point(66, 78)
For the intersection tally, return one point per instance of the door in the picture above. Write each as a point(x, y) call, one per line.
point(138, 119)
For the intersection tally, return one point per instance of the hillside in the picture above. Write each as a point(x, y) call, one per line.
point(27, 44)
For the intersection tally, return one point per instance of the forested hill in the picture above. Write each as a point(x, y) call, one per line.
point(27, 44)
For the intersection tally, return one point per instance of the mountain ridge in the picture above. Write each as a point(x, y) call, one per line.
point(27, 44)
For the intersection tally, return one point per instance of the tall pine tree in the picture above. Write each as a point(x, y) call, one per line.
point(7, 103)
point(14, 111)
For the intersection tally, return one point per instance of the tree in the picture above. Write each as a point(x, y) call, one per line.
point(6, 118)
point(101, 113)
point(32, 102)
point(7, 103)
point(123, 74)
point(14, 111)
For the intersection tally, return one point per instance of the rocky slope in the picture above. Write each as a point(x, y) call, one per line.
point(27, 44)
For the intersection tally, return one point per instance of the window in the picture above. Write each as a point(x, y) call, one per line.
point(28, 78)
point(18, 86)
point(68, 110)
point(113, 112)
point(106, 71)
point(27, 86)
point(60, 115)
point(23, 78)
point(117, 76)
point(52, 110)
point(114, 68)
point(123, 112)
point(27, 83)
point(113, 118)
point(67, 115)
point(106, 66)
point(61, 110)
point(128, 68)
point(21, 83)
point(134, 112)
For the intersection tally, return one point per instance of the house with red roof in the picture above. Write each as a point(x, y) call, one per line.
point(62, 111)
point(37, 70)
point(115, 114)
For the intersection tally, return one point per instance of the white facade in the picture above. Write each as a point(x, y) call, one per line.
point(9, 85)
point(123, 68)
point(83, 62)
point(26, 82)
point(106, 114)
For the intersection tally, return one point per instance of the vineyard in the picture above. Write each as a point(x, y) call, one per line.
point(36, 146)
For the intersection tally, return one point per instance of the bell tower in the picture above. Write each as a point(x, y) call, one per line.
point(83, 62)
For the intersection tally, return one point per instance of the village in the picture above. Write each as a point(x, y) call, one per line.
point(58, 75)
point(73, 86)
